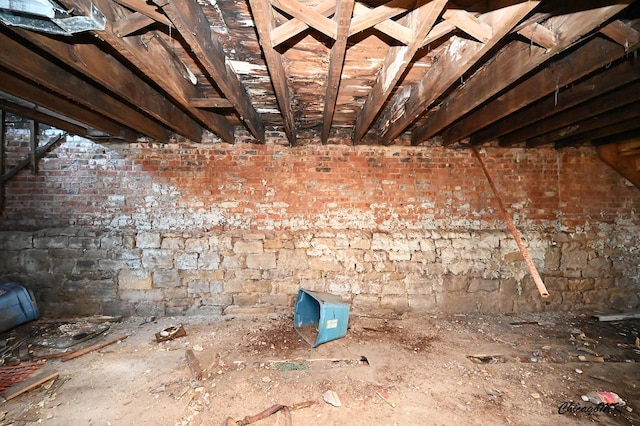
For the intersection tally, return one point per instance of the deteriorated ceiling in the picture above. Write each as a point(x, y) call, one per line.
point(466, 72)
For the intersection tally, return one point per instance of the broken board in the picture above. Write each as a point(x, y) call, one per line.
point(32, 382)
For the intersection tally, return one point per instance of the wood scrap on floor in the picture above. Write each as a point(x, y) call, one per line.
point(32, 382)
point(618, 317)
point(194, 365)
point(92, 348)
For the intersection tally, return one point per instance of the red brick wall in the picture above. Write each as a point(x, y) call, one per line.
point(276, 187)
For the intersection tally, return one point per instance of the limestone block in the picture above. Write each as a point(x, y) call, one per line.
point(208, 260)
point(172, 243)
point(249, 310)
point(581, 284)
point(323, 243)
point(57, 241)
point(245, 299)
point(136, 279)
point(479, 284)
point(418, 285)
point(292, 259)
point(366, 302)
point(184, 260)
point(157, 258)
point(166, 278)
point(319, 264)
point(397, 303)
point(273, 244)
point(375, 256)
point(220, 243)
point(261, 261)
point(287, 286)
point(422, 303)
point(85, 243)
point(454, 283)
point(247, 247)
point(198, 287)
point(256, 236)
point(196, 245)
point(360, 243)
point(174, 294)
point(399, 255)
point(16, 240)
point(247, 274)
point(133, 295)
point(393, 287)
point(574, 259)
point(597, 267)
point(148, 240)
point(32, 261)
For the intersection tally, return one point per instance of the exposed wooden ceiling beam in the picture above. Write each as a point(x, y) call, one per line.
point(25, 90)
point(613, 131)
point(388, 26)
point(103, 68)
point(344, 10)
point(379, 14)
point(617, 75)
point(309, 16)
point(191, 22)
point(586, 59)
point(469, 24)
point(210, 103)
point(151, 57)
point(293, 27)
point(24, 61)
point(621, 33)
point(604, 103)
point(146, 9)
point(263, 16)
point(131, 23)
point(626, 166)
point(420, 20)
point(458, 56)
point(575, 133)
point(37, 114)
point(509, 65)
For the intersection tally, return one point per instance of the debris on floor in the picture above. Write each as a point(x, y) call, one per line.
point(171, 333)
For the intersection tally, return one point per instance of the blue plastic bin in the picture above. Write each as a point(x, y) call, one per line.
point(16, 306)
point(320, 317)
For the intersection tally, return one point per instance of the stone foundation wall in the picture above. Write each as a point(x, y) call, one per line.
point(151, 273)
point(184, 228)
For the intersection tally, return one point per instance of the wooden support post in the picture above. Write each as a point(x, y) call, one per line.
point(34, 129)
point(525, 254)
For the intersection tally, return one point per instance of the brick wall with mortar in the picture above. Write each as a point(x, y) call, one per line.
point(183, 228)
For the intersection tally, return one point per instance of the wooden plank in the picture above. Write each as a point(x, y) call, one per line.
point(344, 9)
point(459, 56)
point(84, 351)
point(32, 158)
point(309, 16)
point(439, 30)
point(596, 134)
point(421, 20)
point(263, 16)
point(36, 114)
point(210, 103)
point(194, 365)
point(576, 131)
point(623, 165)
point(540, 35)
point(469, 24)
point(618, 317)
point(607, 102)
point(573, 67)
point(131, 23)
point(621, 33)
point(389, 27)
point(294, 27)
point(147, 9)
point(153, 59)
point(103, 68)
point(191, 22)
point(542, 289)
point(509, 65)
point(380, 14)
point(30, 383)
point(616, 76)
point(24, 61)
point(22, 89)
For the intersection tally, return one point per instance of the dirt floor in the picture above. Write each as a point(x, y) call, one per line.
point(437, 370)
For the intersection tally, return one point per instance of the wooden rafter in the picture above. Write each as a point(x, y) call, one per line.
point(389, 27)
point(469, 24)
point(510, 64)
point(607, 102)
point(627, 166)
point(460, 55)
point(112, 74)
point(191, 22)
point(24, 61)
point(599, 84)
point(146, 9)
point(151, 57)
point(344, 9)
point(37, 114)
point(421, 20)
point(309, 16)
point(18, 87)
point(263, 16)
point(579, 63)
point(293, 27)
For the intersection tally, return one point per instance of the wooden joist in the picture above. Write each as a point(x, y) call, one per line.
point(510, 64)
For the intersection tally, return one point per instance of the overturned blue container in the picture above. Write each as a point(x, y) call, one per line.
point(320, 317)
point(17, 305)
